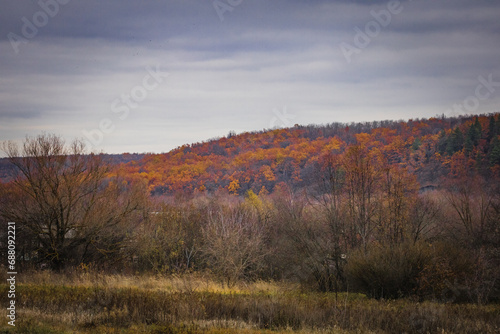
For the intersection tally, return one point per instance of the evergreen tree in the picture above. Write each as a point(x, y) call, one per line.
point(442, 142)
point(495, 152)
point(492, 129)
point(455, 141)
point(497, 126)
point(416, 144)
point(469, 141)
point(477, 132)
point(473, 136)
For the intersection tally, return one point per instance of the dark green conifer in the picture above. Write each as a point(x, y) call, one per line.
point(442, 142)
point(455, 141)
point(495, 152)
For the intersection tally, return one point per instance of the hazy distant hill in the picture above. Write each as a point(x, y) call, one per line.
point(7, 169)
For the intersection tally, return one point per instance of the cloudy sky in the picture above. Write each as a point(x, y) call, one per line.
point(148, 76)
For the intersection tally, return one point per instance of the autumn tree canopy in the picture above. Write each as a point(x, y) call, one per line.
point(428, 148)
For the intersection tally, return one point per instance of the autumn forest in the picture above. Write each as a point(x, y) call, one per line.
point(429, 149)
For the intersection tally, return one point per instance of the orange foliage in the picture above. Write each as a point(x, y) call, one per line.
point(261, 161)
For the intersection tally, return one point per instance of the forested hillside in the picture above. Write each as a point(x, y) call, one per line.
point(260, 161)
point(427, 148)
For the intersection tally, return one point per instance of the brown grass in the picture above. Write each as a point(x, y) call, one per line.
point(89, 302)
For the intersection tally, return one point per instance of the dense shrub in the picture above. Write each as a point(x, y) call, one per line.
point(443, 276)
point(387, 271)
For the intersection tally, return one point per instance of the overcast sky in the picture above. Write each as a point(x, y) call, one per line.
point(148, 76)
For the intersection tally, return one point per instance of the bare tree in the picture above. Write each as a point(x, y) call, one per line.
point(167, 239)
point(399, 189)
point(361, 185)
point(326, 241)
point(234, 243)
point(473, 200)
point(423, 218)
point(66, 199)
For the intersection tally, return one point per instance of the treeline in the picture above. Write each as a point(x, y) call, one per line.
point(428, 148)
point(361, 223)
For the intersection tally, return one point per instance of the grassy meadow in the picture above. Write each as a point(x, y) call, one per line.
point(88, 302)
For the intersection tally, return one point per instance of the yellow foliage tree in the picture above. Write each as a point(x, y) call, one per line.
point(234, 186)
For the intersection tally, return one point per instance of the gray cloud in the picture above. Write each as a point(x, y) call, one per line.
point(230, 75)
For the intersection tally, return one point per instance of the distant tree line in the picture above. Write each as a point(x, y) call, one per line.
point(251, 161)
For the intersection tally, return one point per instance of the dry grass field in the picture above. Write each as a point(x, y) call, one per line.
point(87, 302)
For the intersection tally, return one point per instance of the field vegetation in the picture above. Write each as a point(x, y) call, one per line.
point(84, 301)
